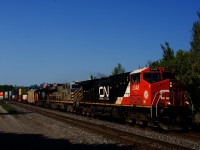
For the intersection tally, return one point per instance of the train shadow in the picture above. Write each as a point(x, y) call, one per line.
point(40, 142)
point(14, 113)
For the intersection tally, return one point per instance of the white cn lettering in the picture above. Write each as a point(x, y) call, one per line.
point(136, 87)
point(103, 92)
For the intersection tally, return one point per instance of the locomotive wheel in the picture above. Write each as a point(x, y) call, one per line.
point(131, 122)
point(142, 123)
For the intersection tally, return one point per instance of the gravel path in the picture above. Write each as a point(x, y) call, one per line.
point(29, 131)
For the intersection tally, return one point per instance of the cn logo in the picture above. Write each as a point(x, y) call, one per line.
point(104, 93)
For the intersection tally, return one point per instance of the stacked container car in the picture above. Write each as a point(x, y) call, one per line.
point(13, 94)
point(1, 95)
point(6, 95)
point(22, 95)
point(32, 96)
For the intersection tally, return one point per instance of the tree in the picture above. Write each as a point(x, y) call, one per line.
point(195, 47)
point(118, 69)
point(167, 60)
point(4, 88)
point(195, 58)
point(168, 56)
point(182, 67)
point(153, 63)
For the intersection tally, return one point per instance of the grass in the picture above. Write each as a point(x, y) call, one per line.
point(8, 108)
point(197, 117)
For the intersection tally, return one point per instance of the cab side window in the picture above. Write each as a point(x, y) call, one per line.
point(135, 78)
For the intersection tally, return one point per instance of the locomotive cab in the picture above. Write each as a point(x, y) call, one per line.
point(139, 90)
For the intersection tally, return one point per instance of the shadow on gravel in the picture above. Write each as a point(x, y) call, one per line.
point(14, 113)
point(39, 142)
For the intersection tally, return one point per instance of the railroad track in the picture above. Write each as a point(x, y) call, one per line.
point(134, 140)
point(189, 135)
point(193, 136)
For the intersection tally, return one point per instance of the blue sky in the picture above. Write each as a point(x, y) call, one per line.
point(59, 41)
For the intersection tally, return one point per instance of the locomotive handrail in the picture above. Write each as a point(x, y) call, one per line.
point(157, 106)
point(160, 92)
point(152, 104)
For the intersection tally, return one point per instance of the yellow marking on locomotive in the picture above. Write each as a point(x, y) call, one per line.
point(77, 95)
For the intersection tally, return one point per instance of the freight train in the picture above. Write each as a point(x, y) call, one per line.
point(147, 96)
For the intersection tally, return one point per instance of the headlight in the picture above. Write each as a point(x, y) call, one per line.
point(168, 103)
point(187, 103)
point(170, 84)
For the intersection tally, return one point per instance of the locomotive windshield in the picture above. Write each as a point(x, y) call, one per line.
point(75, 86)
point(152, 77)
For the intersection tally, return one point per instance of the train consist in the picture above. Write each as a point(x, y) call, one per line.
point(148, 96)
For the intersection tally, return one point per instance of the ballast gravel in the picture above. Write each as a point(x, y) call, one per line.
point(146, 133)
point(29, 130)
